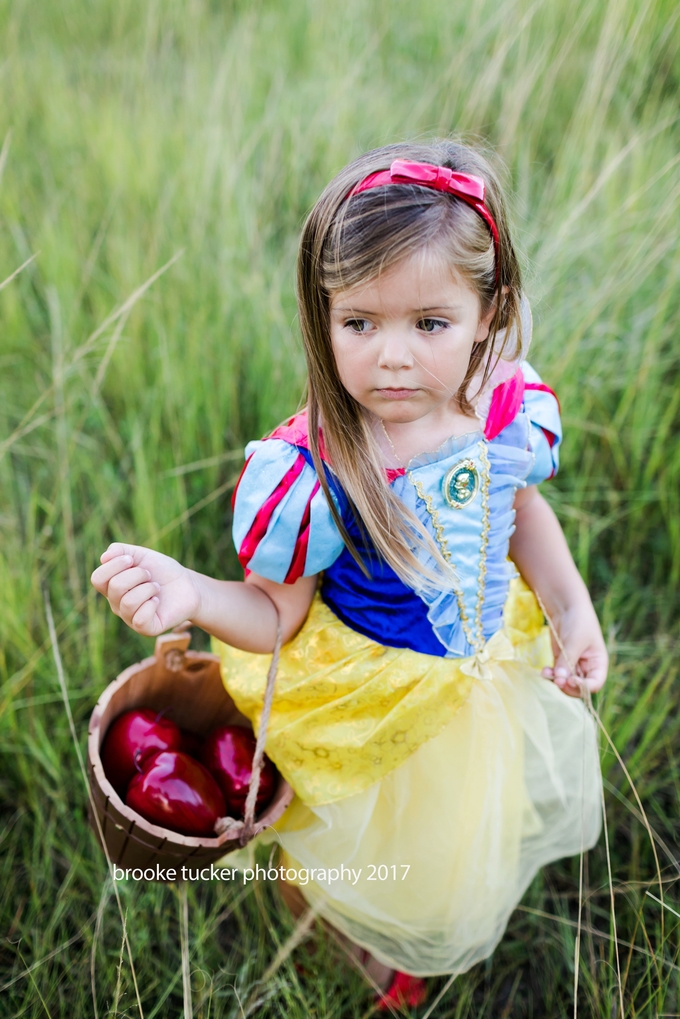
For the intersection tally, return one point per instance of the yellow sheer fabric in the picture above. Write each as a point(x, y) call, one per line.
point(439, 785)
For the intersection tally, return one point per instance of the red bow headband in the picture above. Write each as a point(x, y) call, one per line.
point(466, 186)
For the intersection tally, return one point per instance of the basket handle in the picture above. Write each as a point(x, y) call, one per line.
point(247, 825)
point(169, 650)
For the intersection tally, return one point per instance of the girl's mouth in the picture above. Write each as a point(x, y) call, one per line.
point(397, 394)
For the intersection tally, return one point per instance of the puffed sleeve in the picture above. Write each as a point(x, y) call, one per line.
point(283, 528)
point(543, 410)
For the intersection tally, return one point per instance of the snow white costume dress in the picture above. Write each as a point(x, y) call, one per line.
point(414, 725)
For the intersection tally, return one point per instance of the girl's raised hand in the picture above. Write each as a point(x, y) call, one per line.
point(149, 591)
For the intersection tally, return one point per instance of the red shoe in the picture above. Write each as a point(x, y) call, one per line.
point(404, 990)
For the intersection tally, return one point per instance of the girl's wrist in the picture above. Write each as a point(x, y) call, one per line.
point(198, 616)
point(569, 599)
point(578, 621)
point(579, 609)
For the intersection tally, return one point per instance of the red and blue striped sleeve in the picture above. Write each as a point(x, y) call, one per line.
point(543, 410)
point(283, 528)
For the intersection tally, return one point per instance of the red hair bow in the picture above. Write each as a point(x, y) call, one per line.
point(466, 186)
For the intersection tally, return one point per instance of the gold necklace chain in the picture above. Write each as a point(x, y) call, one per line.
point(386, 434)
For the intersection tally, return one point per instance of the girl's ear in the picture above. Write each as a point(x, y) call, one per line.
point(486, 320)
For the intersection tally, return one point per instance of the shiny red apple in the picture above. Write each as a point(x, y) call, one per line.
point(176, 792)
point(228, 755)
point(130, 739)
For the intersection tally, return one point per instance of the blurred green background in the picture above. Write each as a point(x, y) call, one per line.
point(157, 162)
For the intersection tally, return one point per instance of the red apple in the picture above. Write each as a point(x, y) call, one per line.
point(130, 739)
point(176, 792)
point(191, 744)
point(228, 755)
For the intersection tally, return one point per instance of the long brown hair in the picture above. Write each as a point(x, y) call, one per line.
point(348, 241)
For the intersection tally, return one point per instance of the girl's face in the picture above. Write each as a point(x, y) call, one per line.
point(402, 342)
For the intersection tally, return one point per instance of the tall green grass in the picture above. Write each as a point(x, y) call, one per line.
point(139, 133)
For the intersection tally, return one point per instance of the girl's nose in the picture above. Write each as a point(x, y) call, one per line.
point(395, 352)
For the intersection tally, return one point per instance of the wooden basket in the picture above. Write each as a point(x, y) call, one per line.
point(188, 688)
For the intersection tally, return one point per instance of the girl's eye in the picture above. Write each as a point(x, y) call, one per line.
point(431, 325)
point(358, 325)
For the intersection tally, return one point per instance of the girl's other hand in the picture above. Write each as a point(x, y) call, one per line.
point(149, 591)
point(584, 652)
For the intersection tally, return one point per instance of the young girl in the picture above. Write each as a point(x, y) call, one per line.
point(440, 755)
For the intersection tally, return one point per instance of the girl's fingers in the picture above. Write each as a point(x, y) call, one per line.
point(135, 598)
point(123, 578)
point(121, 583)
point(118, 548)
point(562, 672)
point(103, 574)
point(592, 668)
point(568, 683)
point(591, 672)
point(595, 680)
point(145, 620)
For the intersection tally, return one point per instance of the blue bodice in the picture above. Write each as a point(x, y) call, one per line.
point(438, 619)
point(463, 495)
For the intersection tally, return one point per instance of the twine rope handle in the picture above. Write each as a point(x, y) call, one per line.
point(246, 827)
point(253, 788)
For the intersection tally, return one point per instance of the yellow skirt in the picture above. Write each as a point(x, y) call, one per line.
point(429, 791)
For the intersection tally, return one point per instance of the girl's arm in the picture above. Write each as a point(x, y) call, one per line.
point(539, 550)
point(152, 593)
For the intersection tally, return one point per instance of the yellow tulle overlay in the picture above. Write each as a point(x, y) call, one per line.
point(434, 788)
